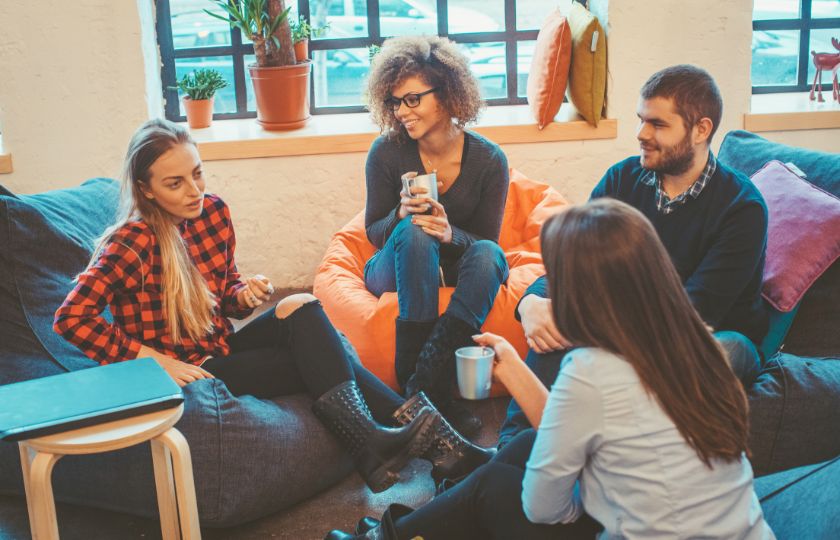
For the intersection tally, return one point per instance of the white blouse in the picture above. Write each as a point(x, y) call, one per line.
point(638, 476)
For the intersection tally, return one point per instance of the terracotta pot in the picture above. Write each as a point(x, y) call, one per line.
point(282, 95)
point(199, 112)
point(302, 50)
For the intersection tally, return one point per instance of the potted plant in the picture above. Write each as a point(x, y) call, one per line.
point(301, 32)
point(281, 84)
point(200, 88)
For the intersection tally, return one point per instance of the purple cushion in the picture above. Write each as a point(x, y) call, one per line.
point(803, 236)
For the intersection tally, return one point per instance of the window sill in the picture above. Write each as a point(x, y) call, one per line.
point(5, 163)
point(341, 133)
point(791, 111)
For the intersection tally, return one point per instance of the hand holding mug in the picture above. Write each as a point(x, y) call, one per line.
point(259, 289)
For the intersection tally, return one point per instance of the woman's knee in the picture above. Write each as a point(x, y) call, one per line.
point(487, 254)
point(407, 232)
point(291, 303)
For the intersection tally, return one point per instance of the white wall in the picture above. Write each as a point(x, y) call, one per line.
point(73, 92)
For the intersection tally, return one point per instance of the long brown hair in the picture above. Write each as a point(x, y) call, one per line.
point(188, 304)
point(613, 286)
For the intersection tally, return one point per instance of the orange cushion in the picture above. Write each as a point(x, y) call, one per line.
point(368, 321)
point(550, 68)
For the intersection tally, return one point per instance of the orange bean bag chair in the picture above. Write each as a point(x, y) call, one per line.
point(368, 321)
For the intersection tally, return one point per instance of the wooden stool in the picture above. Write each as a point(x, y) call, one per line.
point(170, 454)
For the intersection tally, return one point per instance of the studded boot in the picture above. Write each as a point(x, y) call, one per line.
point(378, 452)
point(451, 455)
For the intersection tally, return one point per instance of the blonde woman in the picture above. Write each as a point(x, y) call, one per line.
point(166, 270)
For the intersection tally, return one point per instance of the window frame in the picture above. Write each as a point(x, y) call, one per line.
point(804, 23)
point(237, 50)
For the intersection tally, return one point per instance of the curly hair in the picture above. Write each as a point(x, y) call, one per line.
point(435, 60)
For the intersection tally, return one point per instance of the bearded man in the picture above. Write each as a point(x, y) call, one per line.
point(711, 219)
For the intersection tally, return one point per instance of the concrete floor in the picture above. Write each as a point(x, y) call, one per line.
point(339, 507)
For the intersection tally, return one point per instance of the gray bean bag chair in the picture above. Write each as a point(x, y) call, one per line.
point(251, 457)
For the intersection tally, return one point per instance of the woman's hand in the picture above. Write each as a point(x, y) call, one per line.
point(517, 377)
point(181, 372)
point(507, 359)
point(415, 202)
point(436, 224)
point(259, 289)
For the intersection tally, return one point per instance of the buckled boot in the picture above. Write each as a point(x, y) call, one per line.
point(411, 336)
point(378, 452)
point(451, 455)
point(385, 529)
point(435, 374)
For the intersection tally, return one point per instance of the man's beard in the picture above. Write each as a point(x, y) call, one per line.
point(677, 159)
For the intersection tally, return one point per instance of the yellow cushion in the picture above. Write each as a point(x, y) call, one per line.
point(368, 321)
point(550, 68)
point(588, 73)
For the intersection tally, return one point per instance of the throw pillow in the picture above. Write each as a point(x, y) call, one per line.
point(803, 236)
point(45, 240)
point(550, 68)
point(748, 152)
point(588, 73)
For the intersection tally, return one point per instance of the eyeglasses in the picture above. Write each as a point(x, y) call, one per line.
point(411, 100)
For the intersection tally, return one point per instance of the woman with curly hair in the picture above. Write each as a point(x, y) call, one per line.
point(422, 95)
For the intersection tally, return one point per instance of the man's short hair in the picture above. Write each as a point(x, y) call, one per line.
point(694, 91)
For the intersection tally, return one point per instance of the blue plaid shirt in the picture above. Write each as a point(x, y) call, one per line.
point(665, 204)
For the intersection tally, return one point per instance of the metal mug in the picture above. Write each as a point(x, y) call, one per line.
point(474, 366)
point(428, 181)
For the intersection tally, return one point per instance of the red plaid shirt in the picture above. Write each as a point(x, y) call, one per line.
point(127, 278)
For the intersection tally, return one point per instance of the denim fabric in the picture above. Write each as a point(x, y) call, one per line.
point(802, 502)
point(409, 262)
point(794, 413)
point(488, 504)
point(743, 357)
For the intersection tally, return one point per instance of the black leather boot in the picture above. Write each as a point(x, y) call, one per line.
point(382, 530)
point(451, 455)
point(378, 452)
point(411, 336)
point(435, 374)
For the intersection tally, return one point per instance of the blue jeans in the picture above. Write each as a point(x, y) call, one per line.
point(742, 353)
point(409, 262)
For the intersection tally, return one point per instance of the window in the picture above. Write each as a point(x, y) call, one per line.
point(784, 34)
point(497, 35)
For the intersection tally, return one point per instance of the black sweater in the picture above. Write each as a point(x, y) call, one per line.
point(716, 243)
point(474, 203)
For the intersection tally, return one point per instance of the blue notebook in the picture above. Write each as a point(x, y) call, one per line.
point(82, 398)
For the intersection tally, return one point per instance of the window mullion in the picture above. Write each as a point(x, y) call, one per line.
point(511, 52)
point(163, 26)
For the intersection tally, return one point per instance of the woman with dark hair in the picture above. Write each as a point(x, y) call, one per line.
point(645, 428)
point(166, 271)
point(422, 94)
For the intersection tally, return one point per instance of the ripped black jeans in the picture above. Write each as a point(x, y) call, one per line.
point(302, 353)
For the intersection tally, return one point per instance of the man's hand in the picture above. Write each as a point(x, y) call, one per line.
point(181, 372)
point(538, 323)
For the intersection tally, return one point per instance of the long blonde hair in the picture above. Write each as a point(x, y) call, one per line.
point(613, 286)
point(188, 304)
